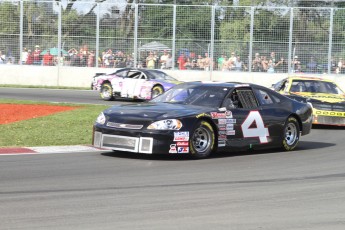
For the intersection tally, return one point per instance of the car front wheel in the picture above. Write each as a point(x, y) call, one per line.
point(107, 92)
point(202, 140)
point(291, 134)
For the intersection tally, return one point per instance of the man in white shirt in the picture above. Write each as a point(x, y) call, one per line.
point(164, 59)
point(24, 56)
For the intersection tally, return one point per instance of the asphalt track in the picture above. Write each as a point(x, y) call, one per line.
point(273, 190)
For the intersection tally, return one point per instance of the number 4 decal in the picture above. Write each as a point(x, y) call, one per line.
point(253, 126)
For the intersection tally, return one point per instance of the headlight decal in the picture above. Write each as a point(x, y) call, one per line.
point(168, 124)
point(101, 119)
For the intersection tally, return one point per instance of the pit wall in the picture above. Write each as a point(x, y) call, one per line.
point(65, 76)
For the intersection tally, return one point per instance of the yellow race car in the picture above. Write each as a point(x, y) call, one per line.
point(326, 97)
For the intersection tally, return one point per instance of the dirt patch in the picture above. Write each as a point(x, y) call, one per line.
point(14, 112)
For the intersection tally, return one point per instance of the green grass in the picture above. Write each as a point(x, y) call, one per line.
point(65, 128)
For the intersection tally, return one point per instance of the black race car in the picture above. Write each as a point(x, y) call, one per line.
point(199, 118)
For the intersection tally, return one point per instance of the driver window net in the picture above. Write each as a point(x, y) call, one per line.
point(247, 98)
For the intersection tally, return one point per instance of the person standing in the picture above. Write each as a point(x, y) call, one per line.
point(220, 62)
point(37, 55)
point(91, 59)
point(181, 62)
point(48, 59)
point(257, 66)
point(207, 62)
point(163, 59)
point(24, 55)
point(30, 59)
point(150, 61)
point(169, 62)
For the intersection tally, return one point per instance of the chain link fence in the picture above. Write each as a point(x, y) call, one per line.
point(203, 38)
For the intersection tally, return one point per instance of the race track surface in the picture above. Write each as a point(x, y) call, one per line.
point(269, 190)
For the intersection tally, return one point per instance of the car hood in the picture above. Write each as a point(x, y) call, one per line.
point(168, 81)
point(137, 113)
point(324, 97)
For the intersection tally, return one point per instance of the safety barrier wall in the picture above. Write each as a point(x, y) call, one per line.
point(81, 77)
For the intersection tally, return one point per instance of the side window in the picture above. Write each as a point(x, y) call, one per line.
point(143, 76)
point(232, 101)
point(134, 75)
point(263, 97)
point(122, 73)
point(298, 86)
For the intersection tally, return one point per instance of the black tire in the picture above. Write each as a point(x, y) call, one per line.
point(107, 92)
point(291, 134)
point(157, 90)
point(202, 140)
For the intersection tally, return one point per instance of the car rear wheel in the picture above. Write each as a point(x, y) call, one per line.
point(202, 140)
point(157, 90)
point(107, 92)
point(291, 134)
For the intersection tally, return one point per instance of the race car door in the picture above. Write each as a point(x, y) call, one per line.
point(245, 126)
point(131, 86)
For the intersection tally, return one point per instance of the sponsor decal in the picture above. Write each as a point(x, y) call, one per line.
point(182, 143)
point(221, 143)
point(228, 114)
point(222, 132)
point(173, 148)
point(230, 132)
point(222, 137)
point(229, 126)
point(329, 113)
point(222, 126)
point(181, 136)
point(230, 121)
point(182, 150)
point(222, 121)
point(203, 115)
point(216, 115)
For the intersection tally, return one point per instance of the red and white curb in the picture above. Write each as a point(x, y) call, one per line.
point(47, 149)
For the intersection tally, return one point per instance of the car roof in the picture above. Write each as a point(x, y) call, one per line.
point(139, 69)
point(219, 83)
point(309, 78)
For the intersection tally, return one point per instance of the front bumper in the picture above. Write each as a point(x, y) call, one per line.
point(140, 141)
point(324, 117)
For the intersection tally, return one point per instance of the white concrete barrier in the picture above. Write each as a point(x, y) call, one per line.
point(67, 76)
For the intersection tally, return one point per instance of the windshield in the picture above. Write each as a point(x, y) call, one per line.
point(201, 95)
point(162, 76)
point(312, 86)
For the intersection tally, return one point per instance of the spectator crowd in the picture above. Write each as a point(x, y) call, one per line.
point(110, 58)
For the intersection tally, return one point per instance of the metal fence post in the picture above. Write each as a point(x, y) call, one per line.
point(251, 39)
point(212, 39)
point(21, 32)
point(136, 12)
point(290, 40)
point(174, 38)
point(330, 36)
point(97, 34)
point(59, 42)
point(59, 31)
